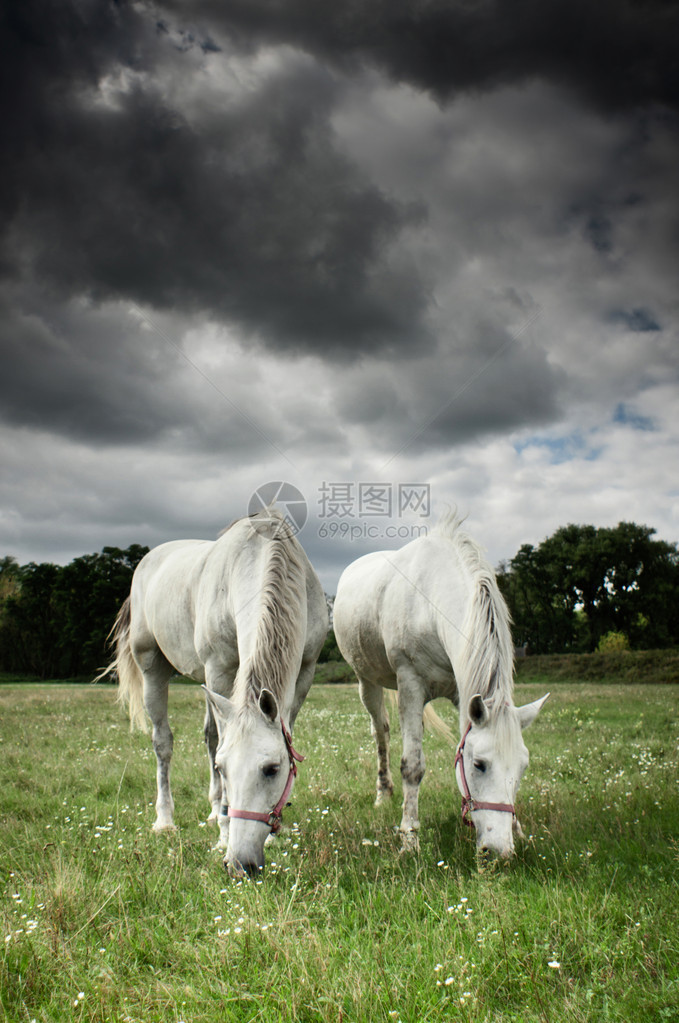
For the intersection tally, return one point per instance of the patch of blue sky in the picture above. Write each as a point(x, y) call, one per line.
point(639, 320)
point(563, 448)
point(626, 416)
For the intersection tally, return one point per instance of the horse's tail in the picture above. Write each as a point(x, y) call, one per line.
point(437, 725)
point(130, 681)
point(431, 720)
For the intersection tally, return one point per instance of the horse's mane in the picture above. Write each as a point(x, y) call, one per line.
point(485, 664)
point(281, 626)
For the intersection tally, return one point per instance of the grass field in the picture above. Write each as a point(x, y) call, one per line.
point(100, 920)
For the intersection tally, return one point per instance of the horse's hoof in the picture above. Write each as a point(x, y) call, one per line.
point(410, 842)
point(163, 826)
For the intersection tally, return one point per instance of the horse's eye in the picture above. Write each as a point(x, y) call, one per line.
point(480, 765)
point(270, 771)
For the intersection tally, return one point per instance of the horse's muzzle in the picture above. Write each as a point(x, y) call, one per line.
point(237, 869)
point(487, 853)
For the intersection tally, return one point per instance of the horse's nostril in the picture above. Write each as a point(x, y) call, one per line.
point(240, 869)
point(254, 869)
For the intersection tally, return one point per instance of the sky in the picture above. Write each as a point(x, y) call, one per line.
point(398, 255)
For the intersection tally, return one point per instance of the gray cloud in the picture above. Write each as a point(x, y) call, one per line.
point(254, 241)
point(82, 372)
point(616, 53)
point(245, 211)
point(104, 375)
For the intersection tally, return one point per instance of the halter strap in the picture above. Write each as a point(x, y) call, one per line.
point(273, 818)
point(469, 804)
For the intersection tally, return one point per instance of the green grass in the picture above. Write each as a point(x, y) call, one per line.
point(101, 920)
point(641, 667)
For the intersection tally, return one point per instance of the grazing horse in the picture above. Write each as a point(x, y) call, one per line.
point(428, 620)
point(246, 615)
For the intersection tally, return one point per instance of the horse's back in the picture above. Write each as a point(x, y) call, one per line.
point(387, 613)
point(170, 568)
point(163, 598)
point(198, 601)
point(356, 619)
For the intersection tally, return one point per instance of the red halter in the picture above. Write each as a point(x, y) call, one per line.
point(468, 803)
point(273, 818)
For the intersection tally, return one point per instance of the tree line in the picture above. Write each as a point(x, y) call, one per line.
point(571, 593)
point(54, 619)
point(584, 586)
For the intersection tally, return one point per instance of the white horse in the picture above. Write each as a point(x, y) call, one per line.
point(246, 615)
point(429, 621)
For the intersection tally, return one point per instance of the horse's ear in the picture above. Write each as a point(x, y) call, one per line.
point(268, 705)
point(222, 708)
point(478, 712)
point(529, 712)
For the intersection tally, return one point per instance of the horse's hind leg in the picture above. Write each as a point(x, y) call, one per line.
point(373, 700)
point(156, 672)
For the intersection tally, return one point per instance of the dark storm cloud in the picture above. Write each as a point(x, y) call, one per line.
point(84, 373)
point(453, 397)
point(244, 208)
point(614, 53)
point(244, 211)
point(100, 375)
point(138, 167)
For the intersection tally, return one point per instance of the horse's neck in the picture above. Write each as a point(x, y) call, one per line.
point(474, 629)
point(271, 624)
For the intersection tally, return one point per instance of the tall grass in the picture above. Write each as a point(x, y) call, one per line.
point(101, 920)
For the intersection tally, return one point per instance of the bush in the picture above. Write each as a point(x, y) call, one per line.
point(635, 667)
point(330, 650)
point(612, 643)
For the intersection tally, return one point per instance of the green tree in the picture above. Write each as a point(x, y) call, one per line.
point(30, 641)
point(542, 613)
point(330, 651)
point(54, 620)
point(9, 578)
point(86, 598)
point(582, 582)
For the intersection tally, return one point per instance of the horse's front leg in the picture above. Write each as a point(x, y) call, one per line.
point(217, 681)
point(302, 687)
point(411, 709)
point(215, 790)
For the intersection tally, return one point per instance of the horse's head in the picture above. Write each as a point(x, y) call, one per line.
point(491, 760)
point(255, 761)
